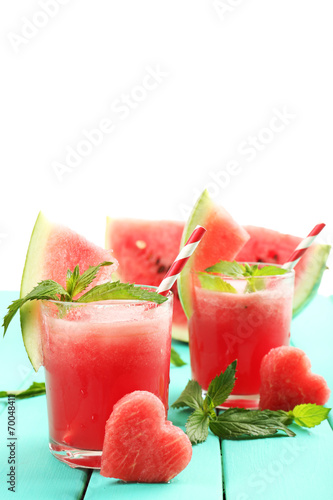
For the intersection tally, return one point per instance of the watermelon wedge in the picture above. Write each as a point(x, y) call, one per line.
point(223, 241)
point(52, 250)
point(287, 380)
point(140, 445)
point(266, 245)
point(145, 249)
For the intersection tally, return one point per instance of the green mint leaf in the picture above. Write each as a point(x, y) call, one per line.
point(197, 426)
point(36, 389)
point(71, 280)
point(45, 290)
point(210, 282)
point(191, 396)
point(231, 269)
point(237, 423)
point(236, 270)
point(116, 290)
point(268, 271)
point(254, 285)
point(84, 280)
point(221, 386)
point(309, 415)
point(208, 406)
point(248, 270)
point(175, 359)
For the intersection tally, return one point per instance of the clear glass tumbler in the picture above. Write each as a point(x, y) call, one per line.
point(94, 354)
point(240, 326)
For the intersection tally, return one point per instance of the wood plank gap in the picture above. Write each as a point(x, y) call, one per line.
point(218, 411)
point(222, 472)
point(84, 491)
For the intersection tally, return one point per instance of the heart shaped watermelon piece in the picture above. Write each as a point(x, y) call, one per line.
point(140, 445)
point(287, 380)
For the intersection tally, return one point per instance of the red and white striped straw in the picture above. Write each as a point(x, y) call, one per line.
point(180, 261)
point(302, 247)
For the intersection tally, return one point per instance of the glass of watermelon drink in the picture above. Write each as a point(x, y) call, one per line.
point(240, 326)
point(94, 354)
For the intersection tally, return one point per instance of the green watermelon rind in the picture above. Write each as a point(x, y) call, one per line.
point(30, 312)
point(308, 283)
point(198, 216)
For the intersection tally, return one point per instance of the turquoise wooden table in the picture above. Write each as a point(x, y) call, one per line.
point(273, 468)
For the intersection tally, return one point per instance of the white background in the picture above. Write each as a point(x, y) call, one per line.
point(227, 71)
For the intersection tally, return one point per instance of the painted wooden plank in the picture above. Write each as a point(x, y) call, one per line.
point(202, 477)
point(282, 467)
point(38, 473)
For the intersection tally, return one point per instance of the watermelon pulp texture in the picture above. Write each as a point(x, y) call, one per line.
point(222, 241)
point(140, 444)
point(243, 326)
point(52, 250)
point(266, 245)
point(287, 380)
point(145, 251)
point(93, 356)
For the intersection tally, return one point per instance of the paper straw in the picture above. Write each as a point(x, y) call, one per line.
point(302, 247)
point(180, 261)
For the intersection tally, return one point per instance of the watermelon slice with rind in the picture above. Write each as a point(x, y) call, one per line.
point(52, 250)
point(140, 445)
point(287, 380)
point(266, 245)
point(223, 240)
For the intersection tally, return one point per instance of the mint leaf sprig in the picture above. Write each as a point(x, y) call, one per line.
point(236, 270)
point(238, 423)
point(45, 290)
point(215, 283)
point(77, 283)
point(115, 290)
point(175, 359)
point(36, 389)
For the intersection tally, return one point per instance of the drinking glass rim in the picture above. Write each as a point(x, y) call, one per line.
point(290, 272)
point(112, 302)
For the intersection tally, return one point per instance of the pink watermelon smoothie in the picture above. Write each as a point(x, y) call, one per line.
point(243, 326)
point(93, 356)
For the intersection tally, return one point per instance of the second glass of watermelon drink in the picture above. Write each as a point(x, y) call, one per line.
point(93, 355)
point(240, 326)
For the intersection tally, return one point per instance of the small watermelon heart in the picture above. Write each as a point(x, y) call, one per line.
point(287, 380)
point(140, 445)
